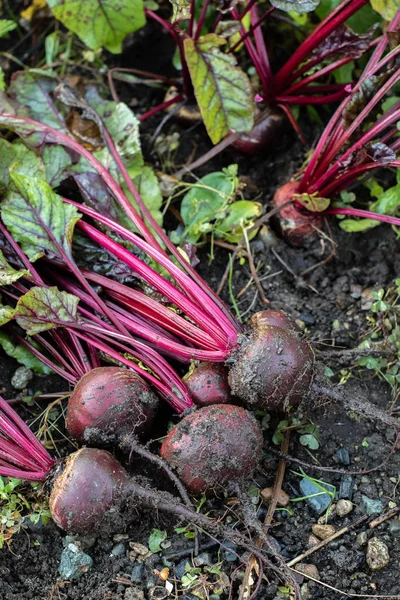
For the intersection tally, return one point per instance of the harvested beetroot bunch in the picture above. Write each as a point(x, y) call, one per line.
point(269, 364)
point(213, 446)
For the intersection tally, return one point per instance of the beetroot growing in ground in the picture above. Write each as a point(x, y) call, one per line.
point(213, 446)
point(294, 223)
point(111, 401)
point(208, 384)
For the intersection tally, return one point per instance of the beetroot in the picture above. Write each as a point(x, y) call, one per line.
point(208, 384)
point(273, 368)
point(295, 224)
point(88, 487)
point(263, 134)
point(213, 446)
point(111, 401)
point(276, 318)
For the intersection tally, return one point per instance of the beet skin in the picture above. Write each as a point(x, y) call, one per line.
point(273, 367)
point(87, 490)
point(111, 400)
point(208, 384)
point(213, 446)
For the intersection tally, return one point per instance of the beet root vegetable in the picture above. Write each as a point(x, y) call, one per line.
point(263, 134)
point(213, 446)
point(274, 367)
point(208, 384)
point(294, 223)
point(110, 401)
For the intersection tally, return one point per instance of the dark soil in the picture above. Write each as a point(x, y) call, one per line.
point(328, 301)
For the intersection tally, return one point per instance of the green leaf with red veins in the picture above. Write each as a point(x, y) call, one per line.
point(34, 91)
point(38, 219)
point(100, 22)
point(298, 6)
point(223, 91)
point(41, 309)
point(33, 134)
point(20, 159)
point(7, 273)
point(6, 314)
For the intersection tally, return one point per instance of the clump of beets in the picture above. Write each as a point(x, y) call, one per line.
point(109, 403)
point(213, 446)
point(208, 384)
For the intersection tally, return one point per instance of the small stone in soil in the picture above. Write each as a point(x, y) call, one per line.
point(21, 378)
point(372, 507)
point(343, 508)
point(137, 573)
point(318, 503)
point(343, 456)
point(323, 531)
point(74, 563)
point(202, 559)
point(283, 498)
point(133, 593)
point(346, 487)
point(230, 551)
point(394, 528)
point(377, 554)
point(362, 538)
point(118, 550)
point(308, 569)
point(180, 568)
point(312, 541)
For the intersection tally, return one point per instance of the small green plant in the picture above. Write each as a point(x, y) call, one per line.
point(19, 502)
point(157, 537)
point(384, 320)
point(323, 486)
point(308, 431)
point(209, 208)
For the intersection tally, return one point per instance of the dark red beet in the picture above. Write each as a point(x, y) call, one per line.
point(295, 225)
point(264, 134)
point(213, 446)
point(111, 400)
point(208, 384)
point(276, 318)
point(88, 488)
point(274, 368)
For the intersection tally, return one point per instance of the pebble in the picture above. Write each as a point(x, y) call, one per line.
point(343, 456)
point(21, 378)
point(118, 550)
point(283, 497)
point(180, 568)
point(323, 531)
point(394, 528)
point(137, 573)
point(308, 569)
point(230, 551)
point(377, 554)
point(305, 592)
point(318, 503)
point(312, 541)
point(74, 563)
point(203, 559)
point(362, 538)
point(346, 487)
point(343, 508)
point(372, 507)
point(134, 593)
